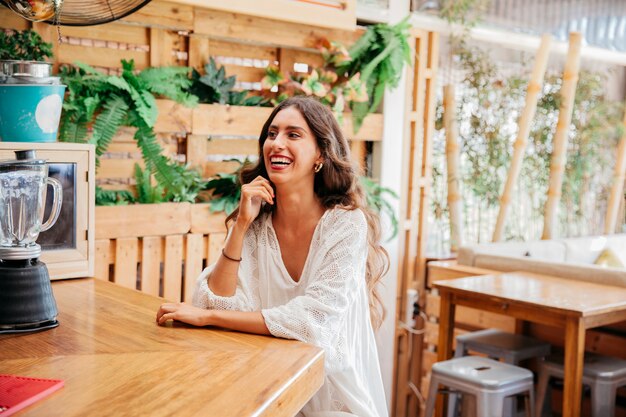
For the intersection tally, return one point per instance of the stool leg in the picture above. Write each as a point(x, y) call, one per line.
point(432, 396)
point(453, 404)
point(602, 400)
point(529, 403)
point(489, 405)
point(542, 387)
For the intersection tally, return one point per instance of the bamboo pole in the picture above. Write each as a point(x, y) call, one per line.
point(617, 189)
point(452, 158)
point(559, 148)
point(525, 120)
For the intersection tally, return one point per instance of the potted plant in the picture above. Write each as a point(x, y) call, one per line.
point(30, 97)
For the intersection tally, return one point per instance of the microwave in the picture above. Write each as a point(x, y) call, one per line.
point(68, 247)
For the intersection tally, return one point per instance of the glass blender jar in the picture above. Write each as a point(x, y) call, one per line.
point(26, 299)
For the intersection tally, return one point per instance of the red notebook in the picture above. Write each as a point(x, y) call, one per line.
point(17, 392)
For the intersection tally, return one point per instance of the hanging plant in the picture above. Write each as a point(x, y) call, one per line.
point(25, 45)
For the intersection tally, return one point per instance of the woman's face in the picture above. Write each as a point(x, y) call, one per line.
point(290, 150)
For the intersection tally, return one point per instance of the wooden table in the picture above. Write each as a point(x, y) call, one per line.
point(115, 360)
point(573, 305)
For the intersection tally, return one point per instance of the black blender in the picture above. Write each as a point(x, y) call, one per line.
point(26, 299)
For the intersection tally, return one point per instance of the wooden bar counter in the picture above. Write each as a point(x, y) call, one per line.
point(115, 360)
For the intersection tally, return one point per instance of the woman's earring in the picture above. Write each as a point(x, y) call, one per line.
point(318, 167)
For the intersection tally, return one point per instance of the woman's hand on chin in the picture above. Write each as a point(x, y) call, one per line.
point(252, 195)
point(183, 312)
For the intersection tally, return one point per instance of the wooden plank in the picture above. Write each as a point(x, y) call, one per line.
point(245, 74)
point(442, 270)
point(466, 316)
point(196, 150)
point(428, 359)
point(172, 268)
point(214, 247)
point(205, 222)
point(198, 52)
point(358, 152)
point(193, 263)
point(232, 146)
point(101, 57)
point(173, 117)
point(103, 259)
point(118, 168)
point(126, 257)
point(142, 220)
point(151, 257)
point(431, 336)
point(220, 48)
point(215, 119)
point(312, 59)
point(116, 32)
point(212, 168)
point(342, 16)
point(162, 47)
point(225, 25)
point(171, 15)
point(596, 340)
point(11, 20)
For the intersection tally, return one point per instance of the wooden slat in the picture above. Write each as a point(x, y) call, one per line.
point(193, 263)
point(172, 268)
point(232, 147)
point(212, 119)
point(196, 151)
point(118, 168)
point(241, 50)
point(214, 247)
point(466, 316)
point(198, 52)
point(205, 222)
point(173, 117)
point(171, 15)
point(126, 254)
point(358, 152)
point(212, 168)
point(101, 57)
point(151, 257)
point(10, 20)
point(431, 336)
point(299, 12)
point(450, 269)
point(142, 220)
point(162, 47)
point(102, 259)
point(116, 32)
point(245, 74)
point(226, 25)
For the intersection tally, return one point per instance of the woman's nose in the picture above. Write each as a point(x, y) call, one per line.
point(279, 141)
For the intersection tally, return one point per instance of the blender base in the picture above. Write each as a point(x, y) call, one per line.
point(27, 328)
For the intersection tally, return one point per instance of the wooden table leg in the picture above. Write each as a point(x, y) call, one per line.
point(446, 333)
point(573, 366)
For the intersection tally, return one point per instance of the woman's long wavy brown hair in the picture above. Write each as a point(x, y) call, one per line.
point(337, 184)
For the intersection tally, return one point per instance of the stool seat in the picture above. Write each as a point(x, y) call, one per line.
point(510, 347)
point(603, 374)
point(482, 372)
point(490, 381)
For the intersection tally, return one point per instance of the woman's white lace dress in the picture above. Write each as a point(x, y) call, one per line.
point(328, 307)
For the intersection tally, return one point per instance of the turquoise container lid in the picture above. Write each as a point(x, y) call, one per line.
point(30, 112)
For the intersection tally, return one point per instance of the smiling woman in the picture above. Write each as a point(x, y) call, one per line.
point(302, 259)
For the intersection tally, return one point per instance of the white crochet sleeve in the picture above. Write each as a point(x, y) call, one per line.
point(246, 297)
point(317, 316)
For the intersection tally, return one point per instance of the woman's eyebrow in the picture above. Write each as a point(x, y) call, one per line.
point(290, 127)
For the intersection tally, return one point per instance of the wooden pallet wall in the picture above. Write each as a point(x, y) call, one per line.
point(181, 33)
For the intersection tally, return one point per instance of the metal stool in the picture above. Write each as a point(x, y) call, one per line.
point(488, 380)
point(603, 374)
point(497, 344)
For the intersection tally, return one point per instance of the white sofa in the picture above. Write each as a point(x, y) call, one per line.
point(568, 258)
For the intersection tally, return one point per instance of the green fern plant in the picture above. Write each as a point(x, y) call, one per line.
point(377, 198)
point(215, 87)
point(113, 197)
point(105, 103)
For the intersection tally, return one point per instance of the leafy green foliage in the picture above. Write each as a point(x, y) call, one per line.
point(226, 190)
point(215, 87)
point(24, 45)
point(378, 199)
point(107, 102)
point(113, 197)
point(379, 57)
point(146, 192)
point(465, 12)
